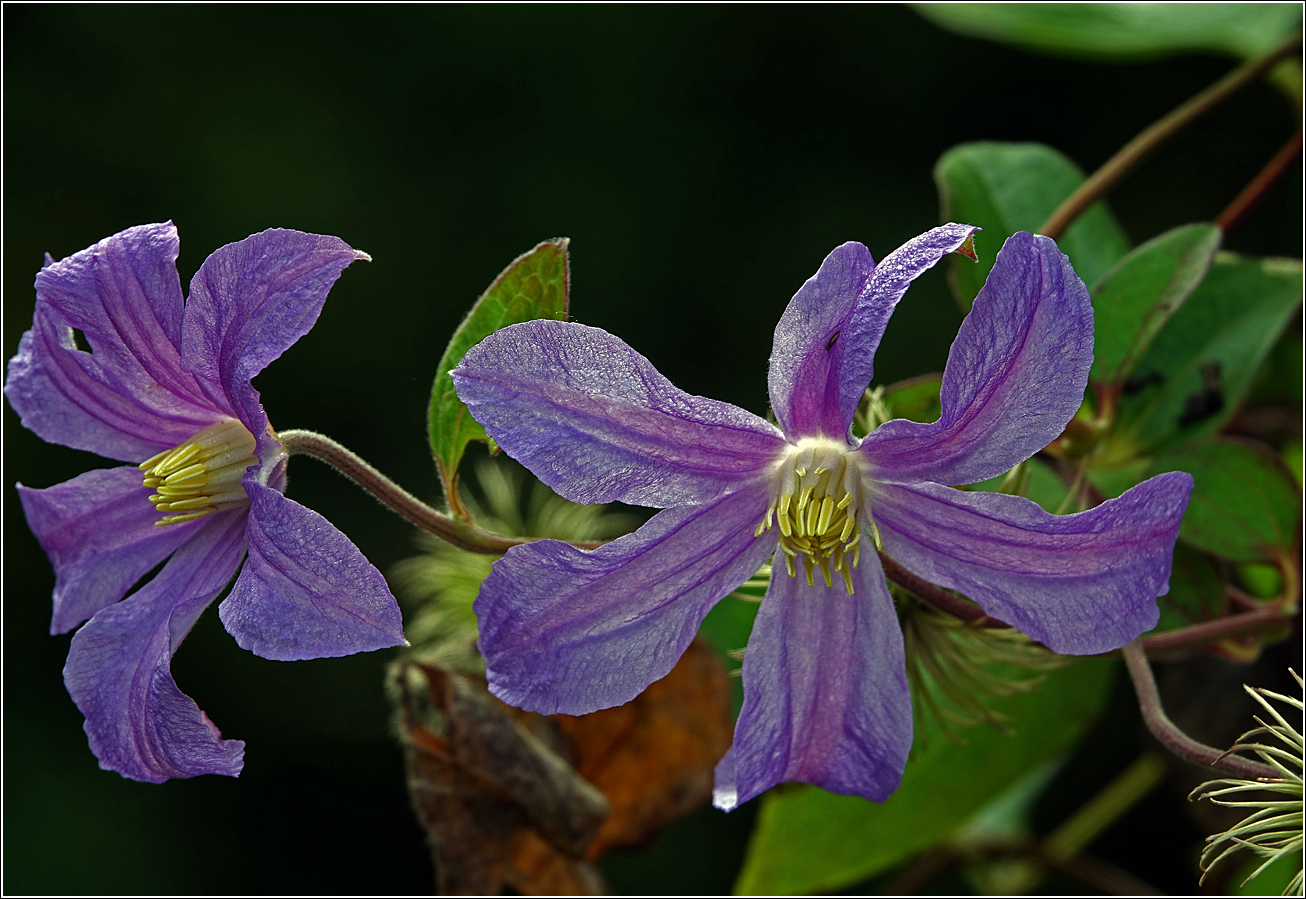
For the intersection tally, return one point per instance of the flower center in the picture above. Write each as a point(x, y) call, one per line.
point(202, 475)
point(817, 508)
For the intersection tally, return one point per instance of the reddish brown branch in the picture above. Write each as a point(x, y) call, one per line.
point(1273, 170)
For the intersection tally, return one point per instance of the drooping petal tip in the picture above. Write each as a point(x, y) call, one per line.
point(825, 692)
point(119, 666)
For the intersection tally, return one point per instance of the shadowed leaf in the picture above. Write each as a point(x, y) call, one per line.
point(1004, 188)
point(535, 285)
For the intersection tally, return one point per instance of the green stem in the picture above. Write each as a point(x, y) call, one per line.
point(408, 507)
point(1153, 137)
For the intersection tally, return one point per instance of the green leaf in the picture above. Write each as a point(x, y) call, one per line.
point(1123, 30)
point(1245, 504)
point(1140, 294)
point(916, 399)
point(1005, 188)
point(1202, 362)
point(535, 285)
point(1038, 483)
point(1196, 591)
point(807, 840)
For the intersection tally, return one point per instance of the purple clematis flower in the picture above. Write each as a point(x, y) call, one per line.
point(825, 689)
point(167, 386)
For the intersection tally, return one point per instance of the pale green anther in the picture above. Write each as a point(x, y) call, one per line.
point(202, 475)
point(817, 508)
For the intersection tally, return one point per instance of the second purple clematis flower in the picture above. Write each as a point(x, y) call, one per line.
point(166, 387)
point(825, 689)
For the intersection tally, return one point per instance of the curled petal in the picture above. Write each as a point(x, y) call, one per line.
point(810, 346)
point(568, 631)
point(825, 692)
point(124, 295)
point(595, 420)
point(249, 302)
point(306, 592)
point(119, 666)
point(98, 530)
point(888, 283)
point(128, 397)
point(1079, 584)
point(1015, 375)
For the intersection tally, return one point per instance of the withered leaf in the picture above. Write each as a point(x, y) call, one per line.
point(500, 806)
point(515, 799)
point(654, 757)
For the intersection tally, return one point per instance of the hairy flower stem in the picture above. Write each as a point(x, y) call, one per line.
point(1158, 133)
point(1178, 742)
point(408, 507)
point(1273, 170)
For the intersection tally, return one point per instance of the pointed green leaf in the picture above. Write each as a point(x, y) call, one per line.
point(1202, 362)
point(535, 285)
point(1245, 504)
point(1005, 188)
point(1140, 294)
point(807, 840)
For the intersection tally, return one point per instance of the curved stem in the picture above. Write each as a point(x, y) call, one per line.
point(1217, 629)
point(1165, 128)
point(408, 507)
point(1174, 739)
point(1273, 170)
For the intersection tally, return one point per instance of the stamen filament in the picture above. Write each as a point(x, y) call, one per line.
point(202, 475)
point(817, 510)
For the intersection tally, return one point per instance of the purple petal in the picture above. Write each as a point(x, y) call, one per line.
point(1015, 375)
point(567, 631)
point(98, 530)
point(825, 692)
point(807, 355)
point(1079, 584)
point(306, 592)
point(119, 667)
point(595, 420)
point(249, 302)
point(128, 398)
point(890, 280)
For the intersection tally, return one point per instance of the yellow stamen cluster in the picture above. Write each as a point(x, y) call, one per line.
point(817, 509)
point(202, 475)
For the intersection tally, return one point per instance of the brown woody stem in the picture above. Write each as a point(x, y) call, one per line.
point(1273, 170)
point(1154, 136)
point(1218, 629)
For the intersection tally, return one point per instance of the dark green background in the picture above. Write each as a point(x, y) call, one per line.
point(703, 161)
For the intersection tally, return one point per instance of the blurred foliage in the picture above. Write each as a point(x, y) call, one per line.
point(1121, 31)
